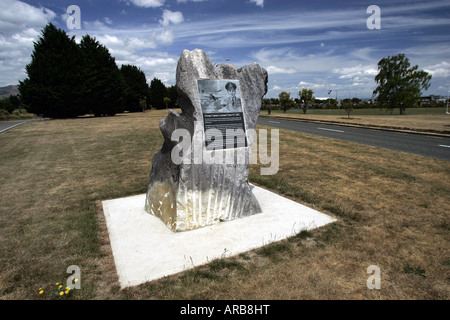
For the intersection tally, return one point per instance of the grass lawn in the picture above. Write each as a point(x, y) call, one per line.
point(370, 111)
point(417, 119)
point(393, 210)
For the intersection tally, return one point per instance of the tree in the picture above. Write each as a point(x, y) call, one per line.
point(331, 103)
point(136, 87)
point(347, 105)
point(167, 101)
point(53, 84)
point(15, 101)
point(266, 105)
point(285, 100)
point(306, 98)
point(157, 94)
point(5, 104)
point(143, 103)
point(172, 94)
point(399, 84)
point(103, 85)
point(10, 104)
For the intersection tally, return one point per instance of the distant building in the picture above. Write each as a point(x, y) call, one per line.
point(426, 100)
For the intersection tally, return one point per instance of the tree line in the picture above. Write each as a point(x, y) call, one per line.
point(399, 86)
point(68, 79)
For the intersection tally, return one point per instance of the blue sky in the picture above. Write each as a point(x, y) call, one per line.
point(321, 45)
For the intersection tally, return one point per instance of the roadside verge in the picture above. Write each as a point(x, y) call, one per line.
point(359, 125)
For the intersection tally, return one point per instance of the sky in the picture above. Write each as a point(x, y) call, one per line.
point(319, 45)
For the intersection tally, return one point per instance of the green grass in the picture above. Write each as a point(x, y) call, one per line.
point(370, 111)
point(392, 211)
point(415, 270)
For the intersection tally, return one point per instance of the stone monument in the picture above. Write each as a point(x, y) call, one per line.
point(199, 176)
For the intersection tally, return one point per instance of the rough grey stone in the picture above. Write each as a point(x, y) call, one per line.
point(192, 195)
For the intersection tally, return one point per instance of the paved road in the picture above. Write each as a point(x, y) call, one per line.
point(7, 125)
point(421, 144)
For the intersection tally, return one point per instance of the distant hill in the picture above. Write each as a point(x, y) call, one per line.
point(5, 92)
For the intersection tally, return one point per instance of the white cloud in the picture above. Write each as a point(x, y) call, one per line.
point(186, 1)
point(171, 17)
point(97, 24)
point(20, 26)
point(440, 70)
point(320, 71)
point(310, 85)
point(275, 87)
point(141, 51)
point(138, 46)
point(358, 71)
point(16, 16)
point(275, 70)
point(164, 37)
point(148, 3)
point(159, 65)
point(258, 2)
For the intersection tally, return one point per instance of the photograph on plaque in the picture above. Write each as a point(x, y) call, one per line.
point(222, 110)
point(219, 96)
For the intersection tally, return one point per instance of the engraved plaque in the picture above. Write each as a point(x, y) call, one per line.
point(222, 112)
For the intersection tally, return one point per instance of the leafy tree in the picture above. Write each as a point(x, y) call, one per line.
point(103, 86)
point(10, 104)
point(53, 84)
point(172, 94)
point(136, 87)
point(399, 84)
point(157, 94)
point(143, 103)
point(285, 100)
point(167, 101)
point(306, 98)
point(331, 103)
point(347, 105)
point(266, 105)
point(5, 104)
point(15, 101)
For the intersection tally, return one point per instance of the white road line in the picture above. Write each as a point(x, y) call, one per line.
point(274, 121)
point(444, 146)
point(13, 126)
point(330, 129)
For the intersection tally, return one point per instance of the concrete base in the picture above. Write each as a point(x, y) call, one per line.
point(145, 249)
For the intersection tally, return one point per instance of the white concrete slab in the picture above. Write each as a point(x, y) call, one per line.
point(145, 249)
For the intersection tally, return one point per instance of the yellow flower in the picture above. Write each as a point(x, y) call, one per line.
point(61, 293)
point(67, 288)
point(76, 280)
point(60, 286)
point(57, 283)
point(41, 292)
point(67, 291)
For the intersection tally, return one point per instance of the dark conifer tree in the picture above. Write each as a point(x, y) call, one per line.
point(53, 84)
point(136, 87)
point(103, 85)
point(172, 94)
point(157, 94)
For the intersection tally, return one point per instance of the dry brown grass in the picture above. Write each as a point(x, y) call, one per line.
point(414, 122)
point(392, 209)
